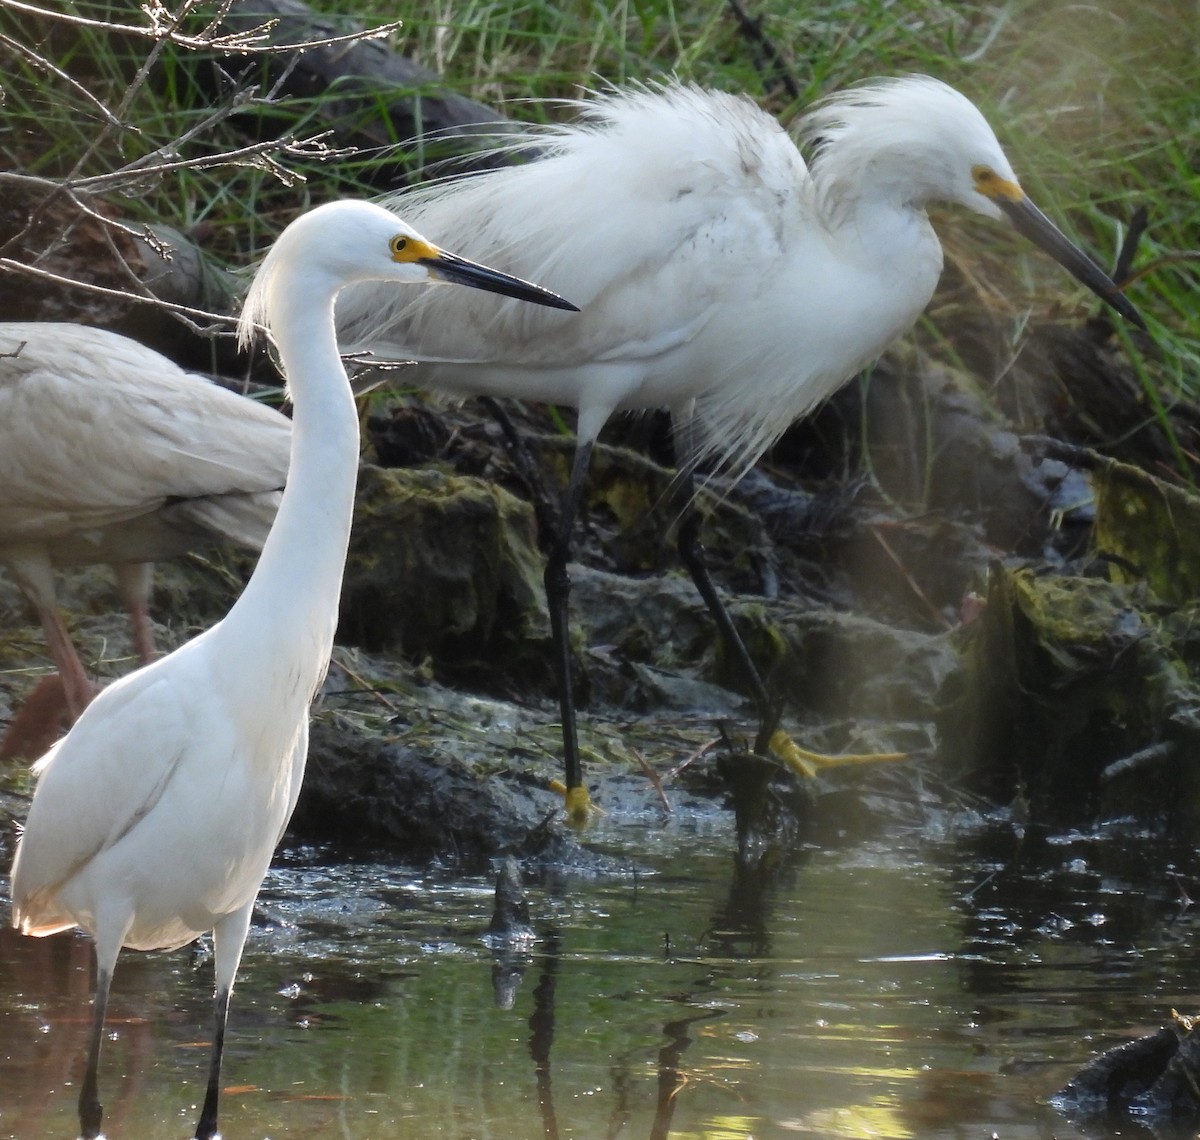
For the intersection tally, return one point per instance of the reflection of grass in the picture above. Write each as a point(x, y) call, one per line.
point(1098, 111)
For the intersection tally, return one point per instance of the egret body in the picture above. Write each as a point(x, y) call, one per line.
point(110, 452)
point(155, 818)
point(720, 276)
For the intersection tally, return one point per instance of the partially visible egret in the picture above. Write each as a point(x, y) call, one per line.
point(720, 276)
point(155, 818)
point(110, 452)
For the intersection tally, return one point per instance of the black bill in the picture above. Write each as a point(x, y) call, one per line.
point(460, 271)
point(1028, 220)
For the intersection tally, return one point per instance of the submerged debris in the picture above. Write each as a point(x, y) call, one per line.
point(1156, 1076)
point(509, 935)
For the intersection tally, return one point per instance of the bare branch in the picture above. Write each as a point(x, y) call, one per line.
point(260, 155)
point(29, 181)
point(211, 319)
point(164, 27)
point(55, 207)
point(43, 64)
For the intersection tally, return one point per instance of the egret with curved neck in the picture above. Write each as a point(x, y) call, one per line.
point(721, 276)
point(155, 817)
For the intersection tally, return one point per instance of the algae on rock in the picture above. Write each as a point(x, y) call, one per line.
point(1075, 695)
point(444, 565)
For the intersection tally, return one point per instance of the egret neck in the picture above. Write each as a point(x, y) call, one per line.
point(289, 609)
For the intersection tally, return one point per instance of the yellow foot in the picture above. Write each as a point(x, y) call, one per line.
point(579, 807)
point(808, 764)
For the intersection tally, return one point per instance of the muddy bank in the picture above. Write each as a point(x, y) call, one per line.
point(993, 628)
point(942, 561)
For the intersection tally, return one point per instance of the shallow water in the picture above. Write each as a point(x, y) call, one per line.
point(923, 985)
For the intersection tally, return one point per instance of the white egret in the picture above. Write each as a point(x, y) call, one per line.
point(720, 277)
point(155, 817)
point(110, 452)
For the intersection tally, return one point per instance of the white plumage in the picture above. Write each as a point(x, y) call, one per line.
point(155, 818)
point(109, 452)
point(720, 275)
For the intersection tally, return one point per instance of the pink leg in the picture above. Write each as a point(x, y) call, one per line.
point(78, 689)
point(55, 702)
point(31, 569)
point(38, 723)
point(136, 580)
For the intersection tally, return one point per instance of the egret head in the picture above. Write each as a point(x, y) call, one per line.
point(914, 140)
point(344, 242)
point(1011, 201)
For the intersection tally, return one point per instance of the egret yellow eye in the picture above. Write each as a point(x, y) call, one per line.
point(985, 179)
point(409, 248)
point(992, 185)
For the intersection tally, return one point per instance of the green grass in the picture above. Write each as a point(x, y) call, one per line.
point(1099, 111)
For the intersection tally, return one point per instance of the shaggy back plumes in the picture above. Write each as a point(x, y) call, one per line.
point(564, 219)
point(712, 270)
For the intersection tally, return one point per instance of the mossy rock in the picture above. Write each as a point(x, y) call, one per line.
point(1075, 693)
point(444, 567)
point(1150, 530)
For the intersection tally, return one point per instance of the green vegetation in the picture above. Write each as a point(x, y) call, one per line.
point(1098, 108)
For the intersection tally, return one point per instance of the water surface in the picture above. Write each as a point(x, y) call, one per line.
point(939, 982)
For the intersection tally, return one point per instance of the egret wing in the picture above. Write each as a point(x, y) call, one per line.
point(94, 786)
point(243, 518)
point(644, 215)
point(97, 429)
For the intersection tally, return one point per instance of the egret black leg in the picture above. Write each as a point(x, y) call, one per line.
point(691, 554)
point(558, 594)
point(557, 583)
point(803, 761)
point(206, 1128)
point(90, 1110)
point(545, 509)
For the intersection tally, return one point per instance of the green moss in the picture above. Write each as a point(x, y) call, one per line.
point(1064, 678)
point(1152, 528)
point(442, 566)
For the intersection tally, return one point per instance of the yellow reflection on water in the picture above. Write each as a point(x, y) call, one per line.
point(853, 1122)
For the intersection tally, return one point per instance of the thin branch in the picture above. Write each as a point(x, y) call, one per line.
point(912, 583)
point(1123, 268)
point(43, 64)
point(259, 155)
point(14, 266)
point(163, 26)
point(238, 99)
point(769, 58)
point(1177, 258)
point(53, 188)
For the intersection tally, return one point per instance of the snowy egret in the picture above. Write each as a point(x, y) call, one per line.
point(110, 452)
point(155, 817)
point(720, 277)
